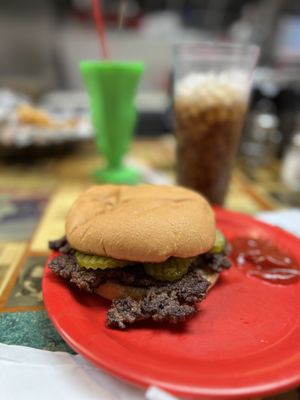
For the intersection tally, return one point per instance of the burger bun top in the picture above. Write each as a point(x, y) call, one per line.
point(146, 223)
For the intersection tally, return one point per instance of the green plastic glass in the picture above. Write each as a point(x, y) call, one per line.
point(112, 86)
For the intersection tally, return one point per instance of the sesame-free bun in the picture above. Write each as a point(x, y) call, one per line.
point(145, 223)
point(112, 290)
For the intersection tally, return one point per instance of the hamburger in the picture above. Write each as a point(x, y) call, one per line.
point(154, 251)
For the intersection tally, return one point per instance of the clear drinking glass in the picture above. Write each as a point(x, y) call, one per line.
point(212, 86)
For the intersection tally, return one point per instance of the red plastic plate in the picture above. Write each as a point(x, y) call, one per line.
point(244, 342)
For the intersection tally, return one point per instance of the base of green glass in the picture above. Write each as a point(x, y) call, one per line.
point(126, 175)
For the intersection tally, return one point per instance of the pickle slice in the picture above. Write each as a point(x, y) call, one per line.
point(170, 270)
point(98, 262)
point(219, 244)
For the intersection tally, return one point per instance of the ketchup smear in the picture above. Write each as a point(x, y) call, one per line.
point(261, 259)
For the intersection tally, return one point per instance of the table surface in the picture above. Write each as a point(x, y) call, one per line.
point(34, 199)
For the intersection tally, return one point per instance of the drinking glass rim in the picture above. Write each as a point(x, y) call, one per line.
point(237, 49)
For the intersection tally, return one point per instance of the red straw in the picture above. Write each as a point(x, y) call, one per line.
point(100, 27)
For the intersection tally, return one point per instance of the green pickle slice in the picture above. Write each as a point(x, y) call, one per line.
point(220, 243)
point(170, 270)
point(98, 262)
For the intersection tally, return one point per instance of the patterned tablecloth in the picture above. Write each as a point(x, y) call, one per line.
point(34, 199)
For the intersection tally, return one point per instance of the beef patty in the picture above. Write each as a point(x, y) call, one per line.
point(164, 301)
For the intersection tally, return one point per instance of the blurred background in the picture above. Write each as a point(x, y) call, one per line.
point(42, 42)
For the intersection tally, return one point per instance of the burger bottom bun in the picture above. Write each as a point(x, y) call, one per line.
point(111, 290)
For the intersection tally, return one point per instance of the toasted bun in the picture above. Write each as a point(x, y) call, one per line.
point(146, 223)
point(112, 290)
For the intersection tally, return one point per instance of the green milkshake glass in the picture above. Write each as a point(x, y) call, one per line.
point(112, 86)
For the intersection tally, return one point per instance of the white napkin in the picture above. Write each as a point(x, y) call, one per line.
point(29, 374)
point(288, 219)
